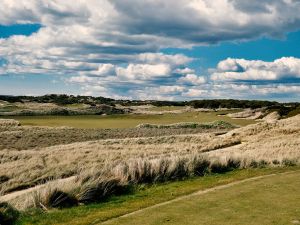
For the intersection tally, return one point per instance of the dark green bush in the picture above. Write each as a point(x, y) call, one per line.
point(8, 215)
point(289, 162)
point(262, 163)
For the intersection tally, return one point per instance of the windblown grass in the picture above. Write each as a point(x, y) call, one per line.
point(107, 167)
point(99, 185)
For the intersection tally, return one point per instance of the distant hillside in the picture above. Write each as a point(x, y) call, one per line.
point(284, 109)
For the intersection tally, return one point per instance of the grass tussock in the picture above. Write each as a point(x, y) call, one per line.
point(99, 185)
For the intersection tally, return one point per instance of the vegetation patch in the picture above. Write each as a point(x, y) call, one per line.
point(143, 196)
point(8, 215)
point(213, 125)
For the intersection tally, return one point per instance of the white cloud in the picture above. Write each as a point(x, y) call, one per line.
point(110, 32)
point(241, 69)
point(113, 45)
point(156, 58)
point(192, 79)
point(170, 89)
point(106, 69)
point(196, 93)
point(184, 71)
point(81, 79)
point(144, 71)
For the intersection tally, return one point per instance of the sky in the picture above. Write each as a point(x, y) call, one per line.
point(151, 49)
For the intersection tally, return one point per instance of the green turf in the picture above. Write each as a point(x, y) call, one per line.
point(272, 200)
point(125, 121)
point(147, 196)
point(166, 108)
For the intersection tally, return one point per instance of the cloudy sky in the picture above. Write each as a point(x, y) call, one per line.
point(151, 49)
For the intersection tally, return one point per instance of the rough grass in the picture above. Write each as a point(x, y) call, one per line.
point(265, 142)
point(142, 197)
point(99, 185)
point(22, 138)
point(111, 167)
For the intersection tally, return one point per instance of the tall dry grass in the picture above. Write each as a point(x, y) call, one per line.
point(113, 166)
point(97, 185)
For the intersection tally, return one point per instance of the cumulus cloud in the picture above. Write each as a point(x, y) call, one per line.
point(241, 69)
point(192, 79)
point(196, 93)
point(184, 71)
point(143, 71)
point(113, 31)
point(112, 45)
point(157, 58)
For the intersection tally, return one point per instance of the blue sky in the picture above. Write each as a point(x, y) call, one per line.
point(149, 50)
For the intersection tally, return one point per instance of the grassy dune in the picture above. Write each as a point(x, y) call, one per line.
point(145, 159)
point(98, 169)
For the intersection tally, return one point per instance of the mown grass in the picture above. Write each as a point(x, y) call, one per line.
point(271, 200)
point(143, 196)
point(126, 121)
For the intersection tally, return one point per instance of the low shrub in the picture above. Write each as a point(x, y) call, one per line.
point(191, 125)
point(253, 164)
point(289, 162)
point(8, 215)
point(262, 163)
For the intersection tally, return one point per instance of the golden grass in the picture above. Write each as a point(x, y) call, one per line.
point(150, 159)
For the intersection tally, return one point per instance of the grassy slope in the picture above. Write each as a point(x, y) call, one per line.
point(147, 196)
point(125, 121)
point(272, 200)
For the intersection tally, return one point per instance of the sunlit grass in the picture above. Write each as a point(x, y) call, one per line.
point(142, 197)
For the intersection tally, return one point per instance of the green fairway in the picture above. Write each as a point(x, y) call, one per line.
point(271, 200)
point(125, 121)
point(148, 196)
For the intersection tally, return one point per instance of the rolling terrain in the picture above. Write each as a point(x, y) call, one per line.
point(88, 166)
